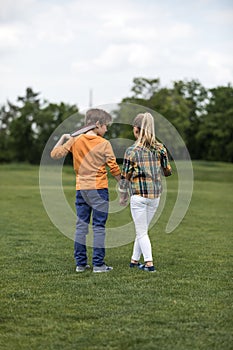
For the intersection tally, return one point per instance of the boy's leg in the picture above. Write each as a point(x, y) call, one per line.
point(100, 204)
point(83, 219)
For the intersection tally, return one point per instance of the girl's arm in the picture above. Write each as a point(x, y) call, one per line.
point(165, 165)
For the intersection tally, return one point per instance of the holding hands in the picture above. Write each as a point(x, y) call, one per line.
point(124, 196)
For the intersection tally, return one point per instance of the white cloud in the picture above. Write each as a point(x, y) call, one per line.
point(221, 17)
point(181, 30)
point(117, 57)
point(5, 69)
point(9, 37)
point(64, 48)
point(12, 10)
point(120, 56)
point(219, 66)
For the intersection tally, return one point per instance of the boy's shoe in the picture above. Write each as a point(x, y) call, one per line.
point(147, 268)
point(102, 268)
point(82, 268)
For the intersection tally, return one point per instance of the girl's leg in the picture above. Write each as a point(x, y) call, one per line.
point(151, 209)
point(136, 252)
point(152, 206)
point(143, 210)
point(142, 243)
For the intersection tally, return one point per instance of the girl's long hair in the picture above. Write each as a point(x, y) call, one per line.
point(147, 130)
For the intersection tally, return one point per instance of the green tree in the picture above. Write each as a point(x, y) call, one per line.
point(26, 126)
point(21, 141)
point(144, 88)
point(7, 115)
point(167, 102)
point(184, 105)
point(48, 119)
point(215, 134)
point(197, 98)
point(204, 119)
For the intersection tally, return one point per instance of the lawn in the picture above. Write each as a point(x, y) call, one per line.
point(186, 304)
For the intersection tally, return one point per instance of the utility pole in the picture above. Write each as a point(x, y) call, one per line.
point(90, 98)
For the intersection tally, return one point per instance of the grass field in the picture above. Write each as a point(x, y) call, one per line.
point(187, 304)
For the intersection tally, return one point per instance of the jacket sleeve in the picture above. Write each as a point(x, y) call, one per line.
point(61, 151)
point(165, 165)
point(111, 160)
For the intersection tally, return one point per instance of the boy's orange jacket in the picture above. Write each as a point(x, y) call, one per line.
point(91, 153)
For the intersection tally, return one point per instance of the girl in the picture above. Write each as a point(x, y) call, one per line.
point(141, 174)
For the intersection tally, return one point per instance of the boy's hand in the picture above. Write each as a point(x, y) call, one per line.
point(66, 137)
point(62, 140)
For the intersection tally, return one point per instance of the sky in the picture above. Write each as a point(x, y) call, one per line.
point(63, 49)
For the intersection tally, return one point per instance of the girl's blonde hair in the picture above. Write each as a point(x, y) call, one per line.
point(145, 123)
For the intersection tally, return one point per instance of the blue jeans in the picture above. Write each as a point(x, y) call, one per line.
point(97, 203)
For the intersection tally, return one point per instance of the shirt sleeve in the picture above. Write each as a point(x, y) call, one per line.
point(111, 160)
point(165, 165)
point(127, 170)
point(61, 151)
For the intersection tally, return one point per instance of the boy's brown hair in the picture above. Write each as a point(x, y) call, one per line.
point(97, 115)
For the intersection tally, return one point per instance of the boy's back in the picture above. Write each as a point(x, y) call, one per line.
point(90, 155)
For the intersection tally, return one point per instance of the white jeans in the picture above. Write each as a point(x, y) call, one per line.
point(142, 210)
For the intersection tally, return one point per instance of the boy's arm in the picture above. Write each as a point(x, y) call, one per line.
point(62, 148)
point(117, 177)
point(111, 162)
point(115, 171)
point(126, 174)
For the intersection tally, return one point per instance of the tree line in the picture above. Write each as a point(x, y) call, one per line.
point(203, 117)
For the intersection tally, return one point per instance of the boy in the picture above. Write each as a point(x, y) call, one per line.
point(91, 153)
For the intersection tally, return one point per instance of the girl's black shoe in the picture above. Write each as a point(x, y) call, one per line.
point(147, 268)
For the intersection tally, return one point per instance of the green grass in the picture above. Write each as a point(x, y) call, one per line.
point(187, 304)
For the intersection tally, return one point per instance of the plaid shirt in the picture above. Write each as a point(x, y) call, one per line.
point(141, 170)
